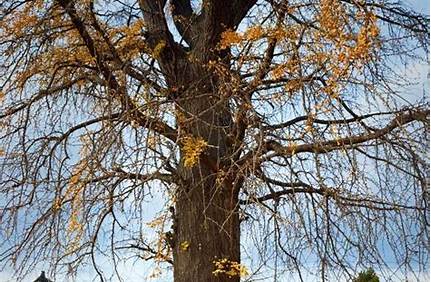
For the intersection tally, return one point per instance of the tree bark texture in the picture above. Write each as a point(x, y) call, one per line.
point(206, 221)
point(206, 207)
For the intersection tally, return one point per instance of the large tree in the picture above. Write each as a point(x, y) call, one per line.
point(283, 123)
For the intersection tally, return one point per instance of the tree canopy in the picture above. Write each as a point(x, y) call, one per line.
point(219, 139)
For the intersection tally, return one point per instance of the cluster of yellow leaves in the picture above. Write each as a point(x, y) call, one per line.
point(131, 41)
point(184, 246)
point(158, 49)
point(20, 20)
point(67, 47)
point(293, 85)
point(56, 206)
point(290, 67)
point(133, 30)
point(349, 48)
point(48, 62)
point(278, 71)
point(181, 118)
point(74, 192)
point(25, 21)
point(229, 268)
point(309, 124)
point(281, 33)
point(366, 39)
point(230, 37)
point(192, 149)
point(343, 44)
point(254, 33)
point(156, 222)
point(152, 142)
point(331, 19)
point(74, 224)
point(75, 228)
point(162, 253)
point(332, 88)
point(217, 67)
point(221, 176)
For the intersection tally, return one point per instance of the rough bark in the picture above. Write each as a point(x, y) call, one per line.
point(206, 218)
point(206, 207)
point(206, 212)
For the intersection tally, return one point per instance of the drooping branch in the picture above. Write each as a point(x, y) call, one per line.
point(396, 15)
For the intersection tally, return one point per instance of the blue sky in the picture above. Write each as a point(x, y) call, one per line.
point(138, 271)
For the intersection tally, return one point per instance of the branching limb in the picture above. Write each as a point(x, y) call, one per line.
point(336, 144)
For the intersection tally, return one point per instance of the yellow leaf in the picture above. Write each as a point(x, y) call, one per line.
point(228, 38)
point(192, 149)
point(184, 246)
point(158, 49)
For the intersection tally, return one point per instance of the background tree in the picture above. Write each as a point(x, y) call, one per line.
point(286, 120)
point(367, 276)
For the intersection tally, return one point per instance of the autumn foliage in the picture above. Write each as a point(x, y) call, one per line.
point(215, 139)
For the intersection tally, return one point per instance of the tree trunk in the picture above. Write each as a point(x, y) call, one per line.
point(207, 227)
point(207, 221)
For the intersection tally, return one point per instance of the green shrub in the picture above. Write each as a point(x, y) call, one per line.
point(367, 276)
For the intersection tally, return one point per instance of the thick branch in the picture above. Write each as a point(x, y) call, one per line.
point(322, 121)
point(241, 7)
point(126, 66)
point(301, 187)
point(182, 13)
point(336, 144)
point(331, 145)
point(227, 13)
point(155, 22)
